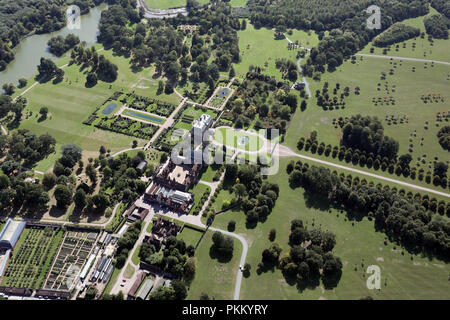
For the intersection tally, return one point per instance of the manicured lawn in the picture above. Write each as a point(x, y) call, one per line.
point(208, 172)
point(70, 103)
point(238, 139)
point(198, 190)
point(190, 236)
point(357, 243)
point(409, 86)
point(165, 4)
point(129, 271)
point(215, 278)
point(238, 3)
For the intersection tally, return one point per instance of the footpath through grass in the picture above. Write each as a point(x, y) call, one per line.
point(215, 278)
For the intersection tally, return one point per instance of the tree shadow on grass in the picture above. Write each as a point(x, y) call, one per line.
point(215, 254)
point(56, 212)
point(316, 201)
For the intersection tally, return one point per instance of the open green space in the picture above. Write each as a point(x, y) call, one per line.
point(403, 276)
point(135, 258)
point(438, 49)
point(215, 278)
point(129, 271)
point(414, 119)
point(70, 103)
point(190, 236)
point(238, 139)
point(238, 3)
point(259, 48)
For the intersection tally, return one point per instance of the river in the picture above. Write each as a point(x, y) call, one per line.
point(29, 51)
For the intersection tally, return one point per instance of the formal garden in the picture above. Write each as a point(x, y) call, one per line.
point(32, 257)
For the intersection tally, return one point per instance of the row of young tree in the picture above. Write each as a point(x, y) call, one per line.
point(404, 219)
point(345, 21)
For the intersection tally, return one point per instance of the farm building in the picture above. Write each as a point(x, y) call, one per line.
point(11, 233)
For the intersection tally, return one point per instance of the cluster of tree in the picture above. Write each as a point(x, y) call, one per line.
point(101, 68)
point(324, 98)
point(24, 148)
point(47, 70)
point(126, 243)
point(217, 21)
point(402, 218)
point(59, 45)
point(345, 21)
point(223, 246)
point(398, 165)
point(258, 198)
point(176, 291)
point(7, 105)
point(310, 256)
point(120, 176)
point(443, 6)
point(366, 133)
point(444, 137)
point(175, 258)
point(398, 32)
point(288, 68)
point(437, 25)
point(20, 17)
point(16, 193)
point(271, 100)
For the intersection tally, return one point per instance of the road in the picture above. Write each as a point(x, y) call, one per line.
point(286, 152)
point(237, 287)
point(300, 68)
point(401, 58)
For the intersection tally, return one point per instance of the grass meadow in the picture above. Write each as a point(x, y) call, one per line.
point(403, 276)
point(70, 103)
point(215, 278)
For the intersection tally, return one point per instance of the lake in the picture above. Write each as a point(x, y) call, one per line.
point(29, 51)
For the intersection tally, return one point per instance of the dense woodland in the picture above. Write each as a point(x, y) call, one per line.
point(346, 21)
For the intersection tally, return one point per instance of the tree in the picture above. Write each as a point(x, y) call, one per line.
point(49, 180)
point(189, 269)
point(63, 196)
point(80, 199)
point(43, 112)
point(239, 190)
point(272, 234)
point(91, 79)
point(179, 287)
point(9, 88)
point(231, 225)
point(22, 82)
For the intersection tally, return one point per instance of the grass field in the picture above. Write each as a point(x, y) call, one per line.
point(166, 4)
point(198, 190)
point(404, 86)
point(357, 244)
point(238, 3)
point(211, 276)
point(70, 103)
point(258, 48)
point(235, 139)
point(424, 49)
point(208, 172)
